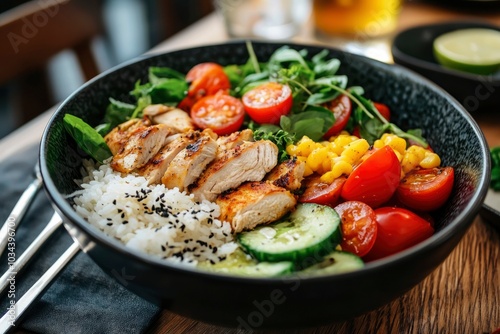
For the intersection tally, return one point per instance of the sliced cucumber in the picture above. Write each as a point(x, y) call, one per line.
point(304, 236)
point(242, 264)
point(334, 263)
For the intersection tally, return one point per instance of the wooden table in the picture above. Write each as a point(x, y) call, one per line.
point(461, 296)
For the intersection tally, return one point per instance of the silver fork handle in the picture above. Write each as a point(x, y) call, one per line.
point(16, 266)
point(10, 318)
point(18, 212)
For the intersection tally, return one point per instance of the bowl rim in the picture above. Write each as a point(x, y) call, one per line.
point(463, 219)
point(407, 58)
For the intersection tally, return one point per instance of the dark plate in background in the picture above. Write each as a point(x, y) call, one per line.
point(412, 48)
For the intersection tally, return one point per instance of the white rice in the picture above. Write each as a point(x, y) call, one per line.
point(153, 219)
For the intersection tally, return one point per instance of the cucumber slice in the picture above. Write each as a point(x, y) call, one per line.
point(304, 236)
point(334, 263)
point(242, 264)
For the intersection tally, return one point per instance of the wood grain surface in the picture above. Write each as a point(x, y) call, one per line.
point(461, 296)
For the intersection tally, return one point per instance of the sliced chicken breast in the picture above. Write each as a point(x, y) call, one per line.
point(142, 144)
point(254, 203)
point(156, 167)
point(175, 118)
point(234, 139)
point(288, 174)
point(188, 165)
point(250, 161)
point(118, 137)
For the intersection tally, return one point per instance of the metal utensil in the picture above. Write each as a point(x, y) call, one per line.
point(20, 209)
point(18, 265)
point(9, 319)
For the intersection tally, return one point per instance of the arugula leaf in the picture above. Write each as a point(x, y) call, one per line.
point(156, 74)
point(285, 55)
point(87, 138)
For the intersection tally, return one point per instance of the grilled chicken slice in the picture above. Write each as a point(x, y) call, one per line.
point(250, 161)
point(234, 139)
point(188, 165)
point(142, 144)
point(254, 203)
point(288, 174)
point(118, 137)
point(157, 165)
point(175, 118)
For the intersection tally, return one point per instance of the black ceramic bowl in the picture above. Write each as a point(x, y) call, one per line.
point(413, 48)
point(289, 301)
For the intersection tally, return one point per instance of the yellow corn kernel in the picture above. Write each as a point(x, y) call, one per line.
point(398, 144)
point(326, 165)
point(379, 143)
point(328, 177)
point(354, 150)
point(341, 167)
point(412, 157)
point(305, 146)
point(316, 158)
point(291, 150)
point(341, 133)
point(342, 140)
point(430, 160)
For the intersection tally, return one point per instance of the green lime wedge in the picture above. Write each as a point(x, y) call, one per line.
point(475, 50)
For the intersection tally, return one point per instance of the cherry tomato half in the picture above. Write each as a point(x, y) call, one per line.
point(358, 225)
point(222, 113)
point(322, 193)
point(426, 189)
point(375, 179)
point(266, 103)
point(397, 230)
point(206, 79)
point(341, 107)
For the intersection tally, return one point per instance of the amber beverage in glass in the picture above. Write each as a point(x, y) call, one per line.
point(356, 18)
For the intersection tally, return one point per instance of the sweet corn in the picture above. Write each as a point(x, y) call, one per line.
point(355, 150)
point(340, 153)
point(397, 144)
point(316, 158)
point(430, 160)
point(412, 157)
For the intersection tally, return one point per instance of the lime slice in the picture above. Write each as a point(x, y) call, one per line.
point(475, 50)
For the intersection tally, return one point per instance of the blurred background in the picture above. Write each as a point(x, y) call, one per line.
point(52, 46)
point(49, 48)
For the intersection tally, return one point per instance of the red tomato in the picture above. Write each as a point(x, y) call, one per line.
point(426, 189)
point(397, 230)
point(341, 107)
point(322, 193)
point(383, 110)
point(375, 179)
point(206, 79)
point(359, 227)
point(266, 103)
point(222, 113)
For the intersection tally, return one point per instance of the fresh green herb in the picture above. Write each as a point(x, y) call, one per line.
point(495, 168)
point(315, 83)
point(87, 138)
point(273, 133)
